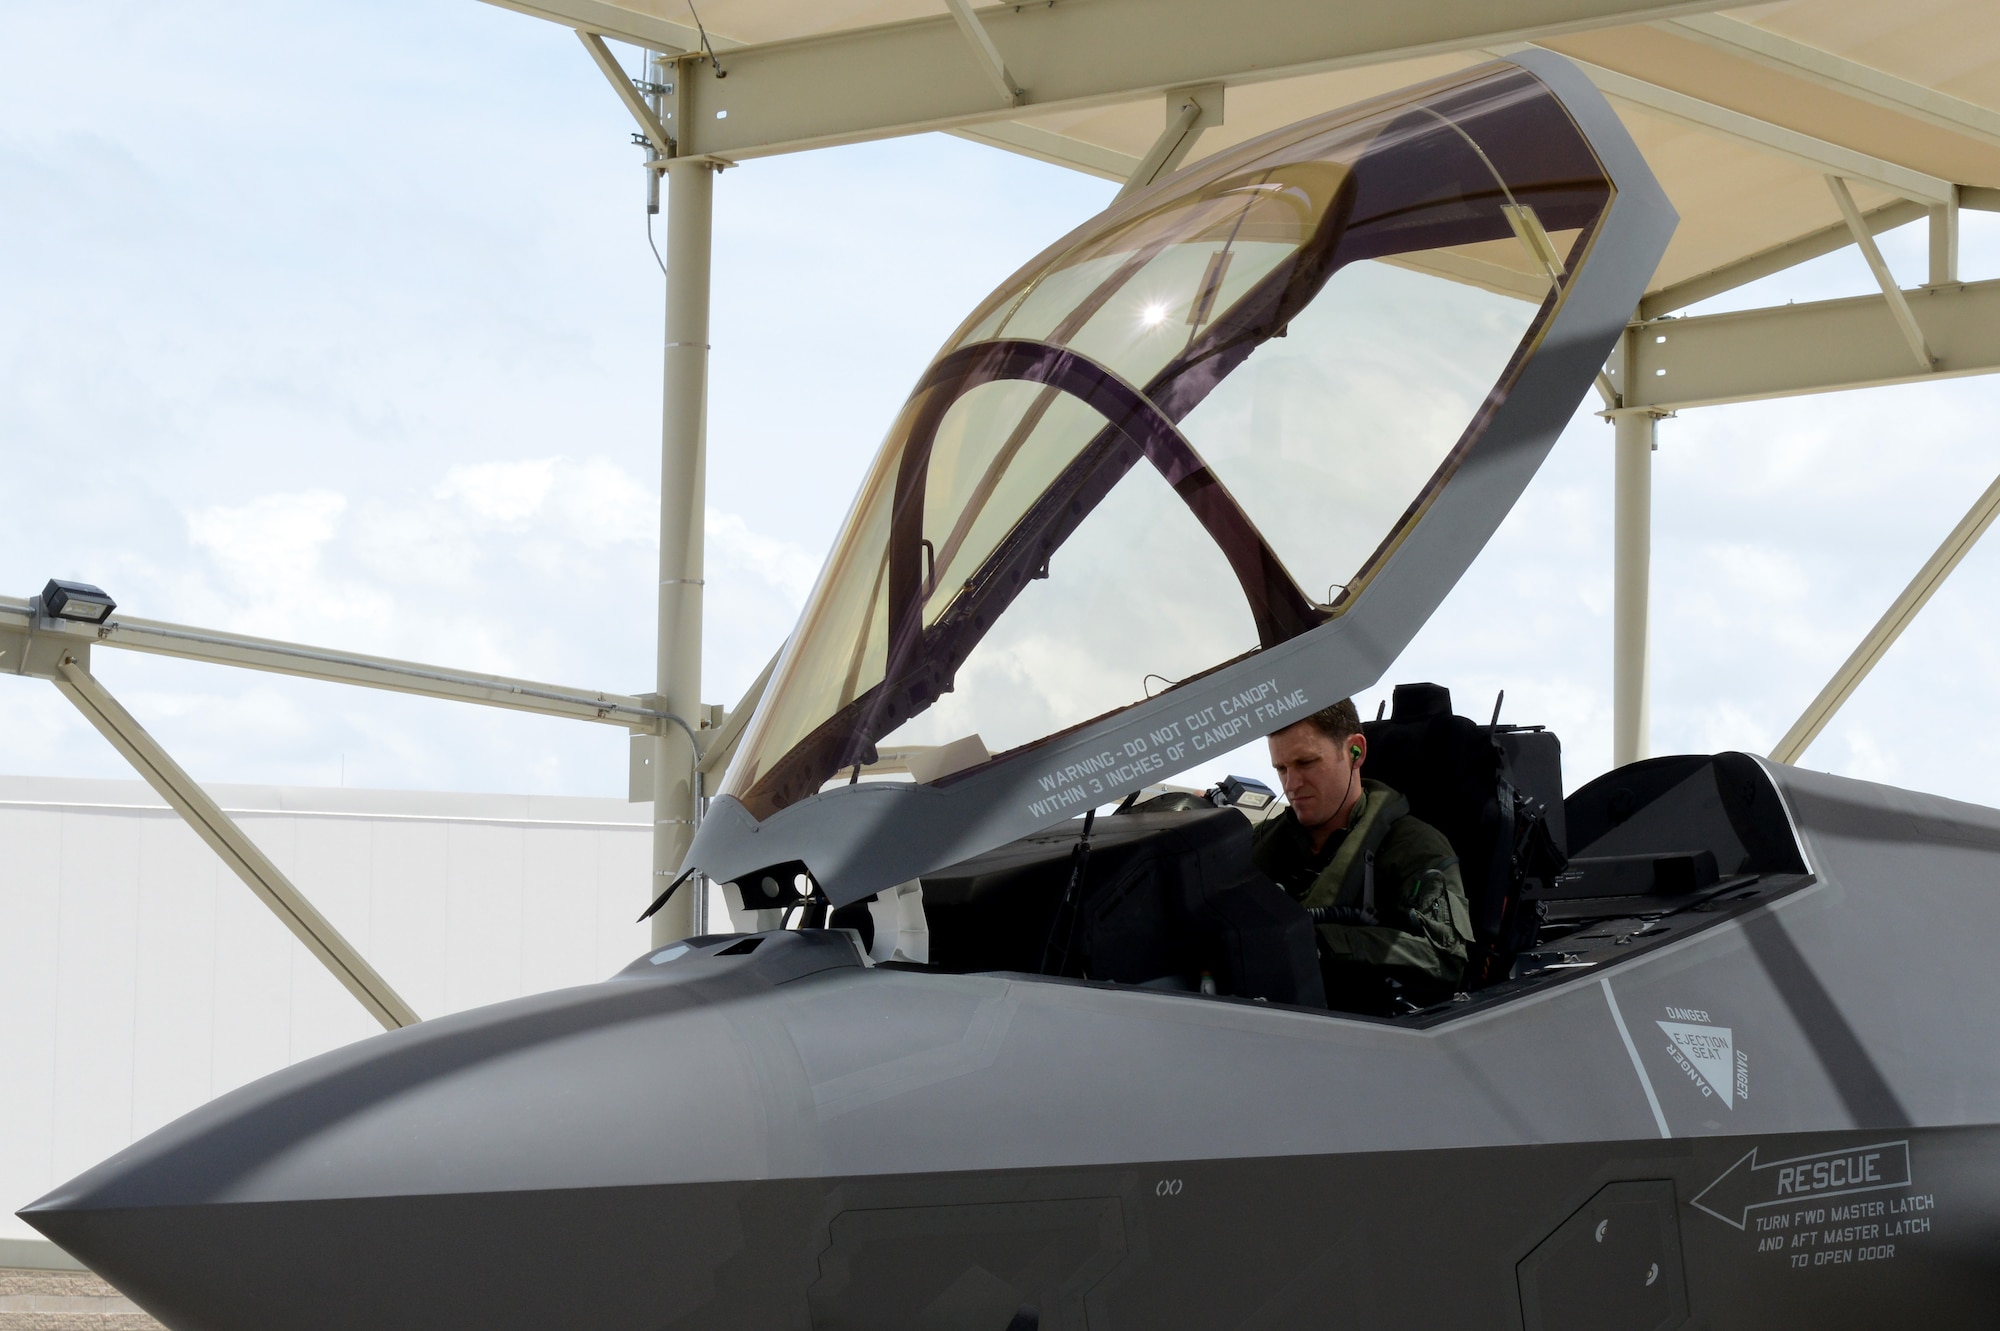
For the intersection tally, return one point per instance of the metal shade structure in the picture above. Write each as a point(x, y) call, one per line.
point(1779, 134)
point(1740, 116)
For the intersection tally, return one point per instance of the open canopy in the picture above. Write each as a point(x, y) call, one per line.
point(1193, 434)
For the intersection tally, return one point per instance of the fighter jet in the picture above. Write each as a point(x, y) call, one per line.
point(1202, 467)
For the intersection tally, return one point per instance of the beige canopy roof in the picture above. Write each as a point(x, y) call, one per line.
point(1741, 113)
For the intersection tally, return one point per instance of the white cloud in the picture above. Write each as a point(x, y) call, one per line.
point(273, 538)
point(601, 504)
point(593, 503)
point(426, 545)
point(269, 561)
point(787, 568)
point(500, 492)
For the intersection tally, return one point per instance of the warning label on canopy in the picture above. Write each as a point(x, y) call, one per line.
point(1210, 726)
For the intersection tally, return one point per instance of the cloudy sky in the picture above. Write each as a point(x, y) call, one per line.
point(337, 323)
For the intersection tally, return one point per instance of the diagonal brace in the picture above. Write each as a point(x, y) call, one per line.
point(989, 54)
point(1899, 306)
point(1890, 627)
point(1785, 254)
point(621, 83)
point(1189, 112)
point(226, 839)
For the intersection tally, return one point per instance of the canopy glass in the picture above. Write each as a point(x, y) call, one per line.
point(1192, 430)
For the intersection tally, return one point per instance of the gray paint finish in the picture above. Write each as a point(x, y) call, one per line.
point(746, 1103)
point(800, 1061)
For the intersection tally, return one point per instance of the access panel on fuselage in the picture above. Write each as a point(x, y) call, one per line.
point(1613, 1266)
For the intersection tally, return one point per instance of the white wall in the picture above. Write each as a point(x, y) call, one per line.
point(139, 977)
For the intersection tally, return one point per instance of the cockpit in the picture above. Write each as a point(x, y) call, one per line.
point(1201, 468)
point(1161, 893)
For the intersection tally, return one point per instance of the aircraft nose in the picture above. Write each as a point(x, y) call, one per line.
point(475, 1170)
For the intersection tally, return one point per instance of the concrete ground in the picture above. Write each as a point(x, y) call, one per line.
point(65, 1301)
point(43, 1288)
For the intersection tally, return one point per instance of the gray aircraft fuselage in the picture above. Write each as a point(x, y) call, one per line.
point(773, 1133)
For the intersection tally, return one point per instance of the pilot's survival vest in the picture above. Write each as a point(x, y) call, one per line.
point(1391, 896)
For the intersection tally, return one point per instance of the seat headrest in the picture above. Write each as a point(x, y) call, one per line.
point(1420, 702)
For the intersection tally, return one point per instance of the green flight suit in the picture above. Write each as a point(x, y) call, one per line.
point(1423, 924)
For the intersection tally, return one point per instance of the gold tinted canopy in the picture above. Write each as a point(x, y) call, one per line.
point(1191, 430)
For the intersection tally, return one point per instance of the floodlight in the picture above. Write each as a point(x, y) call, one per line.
point(1245, 792)
point(76, 600)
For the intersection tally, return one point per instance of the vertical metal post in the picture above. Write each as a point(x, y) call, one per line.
point(1944, 242)
point(1631, 579)
point(683, 486)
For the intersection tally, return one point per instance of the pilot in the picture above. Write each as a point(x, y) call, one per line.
point(1383, 887)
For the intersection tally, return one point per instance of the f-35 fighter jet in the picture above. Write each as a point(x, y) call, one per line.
point(1201, 468)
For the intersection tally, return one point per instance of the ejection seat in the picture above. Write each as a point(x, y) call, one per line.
point(1496, 793)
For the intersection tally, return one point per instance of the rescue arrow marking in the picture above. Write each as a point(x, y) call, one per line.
point(1803, 1178)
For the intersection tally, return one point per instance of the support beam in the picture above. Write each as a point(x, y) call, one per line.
point(1944, 243)
point(1776, 259)
point(1818, 154)
point(621, 83)
point(1817, 347)
point(683, 484)
point(1167, 150)
point(855, 84)
point(1631, 584)
point(375, 672)
point(1189, 112)
point(227, 840)
point(1906, 322)
point(1750, 42)
point(1890, 627)
point(989, 54)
